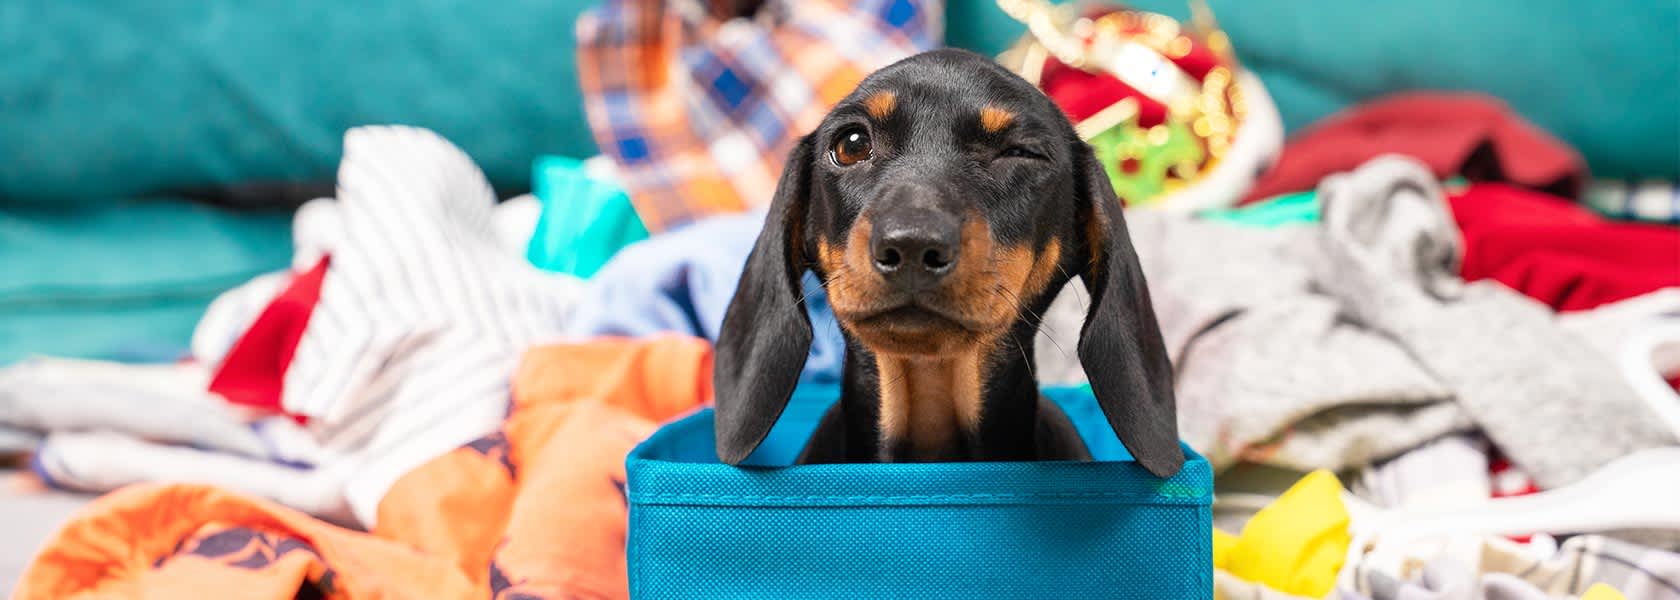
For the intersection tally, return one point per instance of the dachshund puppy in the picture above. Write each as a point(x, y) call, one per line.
point(943, 204)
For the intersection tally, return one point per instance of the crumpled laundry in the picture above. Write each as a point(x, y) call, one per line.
point(1230, 587)
point(1545, 247)
point(1455, 471)
point(533, 509)
point(1335, 344)
point(393, 339)
point(1449, 472)
point(1609, 327)
point(1558, 252)
point(1586, 566)
point(16, 441)
point(1447, 580)
point(1295, 545)
point(1642, 334)
point(1465, 335)
point(1269, 370)
point(699, 110)
point(1471, 135)
point(152, 402)
point(99, 426)
point(420, 314)
point(682, 282)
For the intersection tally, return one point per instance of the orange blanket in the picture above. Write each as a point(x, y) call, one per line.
point(534, 511)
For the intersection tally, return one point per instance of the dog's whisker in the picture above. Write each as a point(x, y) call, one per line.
point(832, 280)
point(1038, 320)
point(1083, 307)
point(1031, 368)
point(832, 319)
point(1051, 335)
point(1058, 345)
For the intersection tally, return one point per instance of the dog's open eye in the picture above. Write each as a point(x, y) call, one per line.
point(850, 147)
point(1019, 152)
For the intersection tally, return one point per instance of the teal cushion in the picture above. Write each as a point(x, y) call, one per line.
point(110, 98)
point(1600, 76)
point(125, 279)
point(103, 98)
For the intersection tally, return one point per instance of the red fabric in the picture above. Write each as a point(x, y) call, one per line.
point(1455, 134)
point(1082, 94)
point(254, 370)
point(1559, 253)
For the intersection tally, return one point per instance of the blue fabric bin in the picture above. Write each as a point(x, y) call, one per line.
point(1050, 530)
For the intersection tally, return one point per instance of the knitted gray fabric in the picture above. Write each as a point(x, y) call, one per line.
point(1267, 370)
point(1555, 406)
point(1334, 345)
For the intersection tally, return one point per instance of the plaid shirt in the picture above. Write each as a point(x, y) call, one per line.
point(699, 114)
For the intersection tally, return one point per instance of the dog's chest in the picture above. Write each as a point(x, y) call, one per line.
point(929, 407)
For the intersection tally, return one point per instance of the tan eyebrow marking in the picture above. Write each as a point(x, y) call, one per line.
point(880, 104)
point(994, 119)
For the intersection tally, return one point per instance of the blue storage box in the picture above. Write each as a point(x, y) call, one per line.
point(1052, 530)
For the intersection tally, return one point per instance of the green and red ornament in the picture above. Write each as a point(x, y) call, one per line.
point(1169, 111)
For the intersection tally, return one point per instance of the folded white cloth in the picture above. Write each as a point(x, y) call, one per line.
point(166, 403)
point(424, 309)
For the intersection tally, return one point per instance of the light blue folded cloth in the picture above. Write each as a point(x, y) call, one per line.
point(682, 281)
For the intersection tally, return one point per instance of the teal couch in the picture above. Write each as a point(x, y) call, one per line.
point(110, 107)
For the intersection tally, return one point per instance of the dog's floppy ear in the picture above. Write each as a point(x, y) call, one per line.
point(1120, 345)
point(766, 333)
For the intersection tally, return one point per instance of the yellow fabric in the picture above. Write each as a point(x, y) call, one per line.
point(1222, 545)
point(1602, 591)
point(1297, 544)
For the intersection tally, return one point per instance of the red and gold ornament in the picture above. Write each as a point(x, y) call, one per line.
point(1161, 102)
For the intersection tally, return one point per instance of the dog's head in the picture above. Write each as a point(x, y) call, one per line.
point(943, 203)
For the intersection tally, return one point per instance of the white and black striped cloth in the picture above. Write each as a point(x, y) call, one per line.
point(422, 315)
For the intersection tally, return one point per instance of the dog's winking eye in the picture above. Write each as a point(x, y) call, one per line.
point(1019, 152)
point(850, 147)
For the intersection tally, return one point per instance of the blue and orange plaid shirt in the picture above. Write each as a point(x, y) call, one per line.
point(699, 114)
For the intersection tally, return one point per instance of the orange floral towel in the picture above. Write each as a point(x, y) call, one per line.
point(534, 511)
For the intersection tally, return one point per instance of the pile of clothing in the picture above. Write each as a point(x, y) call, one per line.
point(1407, 347)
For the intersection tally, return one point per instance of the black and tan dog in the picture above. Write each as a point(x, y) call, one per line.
point(943, 204)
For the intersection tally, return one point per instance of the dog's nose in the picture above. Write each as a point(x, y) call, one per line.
point(913, 249)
